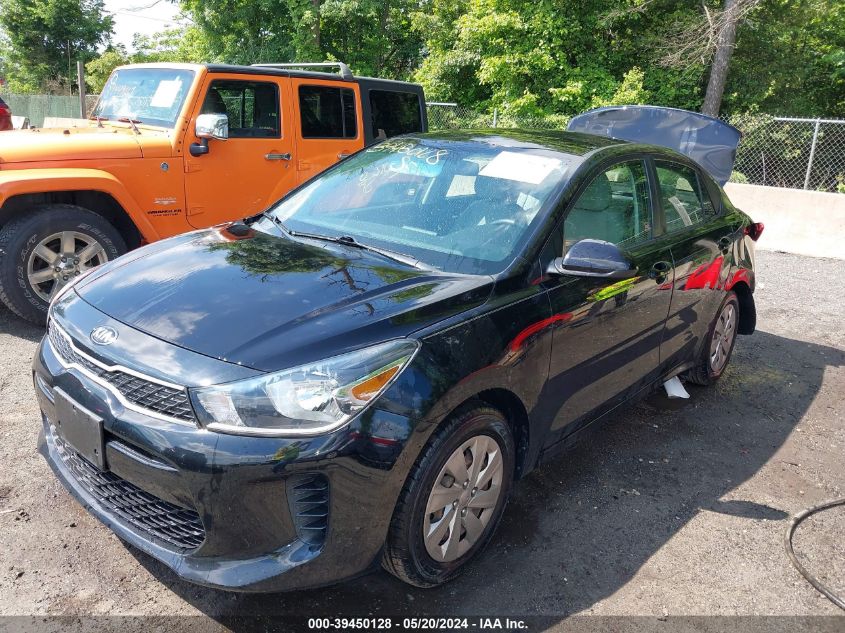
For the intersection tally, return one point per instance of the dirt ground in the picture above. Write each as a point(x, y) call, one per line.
point(673, 508)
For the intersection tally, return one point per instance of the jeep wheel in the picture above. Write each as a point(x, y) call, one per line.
point(46, 248)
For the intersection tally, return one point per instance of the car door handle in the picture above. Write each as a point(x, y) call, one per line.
point(659, 271)
point(343, 155)
point(272, 156)
point(725, 244)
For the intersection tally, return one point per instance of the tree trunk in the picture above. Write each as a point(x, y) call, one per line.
point(315, 30)
point(725, 41)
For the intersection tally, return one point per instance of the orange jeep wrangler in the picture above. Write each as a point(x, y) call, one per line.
point(175, 147)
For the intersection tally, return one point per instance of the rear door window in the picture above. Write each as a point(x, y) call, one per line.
point(394, 113)
point(327, 112)
point(682, 196)
point(251, 106)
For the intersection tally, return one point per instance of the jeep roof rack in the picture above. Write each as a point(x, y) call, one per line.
point(345, 73)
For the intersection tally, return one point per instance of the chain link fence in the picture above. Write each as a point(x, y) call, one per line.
point(36, 107)
point(775, 151)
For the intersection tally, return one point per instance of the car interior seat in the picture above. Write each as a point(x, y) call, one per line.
point(214, 103)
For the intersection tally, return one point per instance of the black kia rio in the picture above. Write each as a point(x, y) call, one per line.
point(359, 374)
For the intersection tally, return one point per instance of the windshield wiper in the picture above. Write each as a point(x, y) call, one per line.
point(132, 122)
point(99, 119)
point(275, 220)
point(348, 240)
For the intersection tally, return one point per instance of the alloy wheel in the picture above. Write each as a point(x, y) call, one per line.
point(463, 499)
point(723, 336)
point(60, 257)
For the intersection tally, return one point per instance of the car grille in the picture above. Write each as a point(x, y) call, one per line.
point(308, 497)
point(176, 526)
point(141, 392)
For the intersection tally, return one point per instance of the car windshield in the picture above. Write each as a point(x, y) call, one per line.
point(144, 95)
point(458, 206)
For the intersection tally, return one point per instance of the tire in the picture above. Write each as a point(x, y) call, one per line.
point(406, 554)
point(19, 263)
point(706, 372)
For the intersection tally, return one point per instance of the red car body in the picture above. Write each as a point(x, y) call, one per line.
point(5, 116)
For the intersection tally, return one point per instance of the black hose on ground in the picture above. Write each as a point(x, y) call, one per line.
point(787, 541)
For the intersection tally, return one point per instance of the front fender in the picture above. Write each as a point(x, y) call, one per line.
point(34, 181)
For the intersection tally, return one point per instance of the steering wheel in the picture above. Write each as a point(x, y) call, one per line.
point(507, 221)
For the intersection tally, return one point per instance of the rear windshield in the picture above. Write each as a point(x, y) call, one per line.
point(394, 113)
point(145, 95)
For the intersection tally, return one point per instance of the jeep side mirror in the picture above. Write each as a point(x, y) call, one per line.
point(593, 258)
point(209, 126)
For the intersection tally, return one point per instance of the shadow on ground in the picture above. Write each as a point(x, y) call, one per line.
point(579, 528)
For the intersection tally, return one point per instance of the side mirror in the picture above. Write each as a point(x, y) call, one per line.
point(209, 126)
point(593, 258)
point(212, 126)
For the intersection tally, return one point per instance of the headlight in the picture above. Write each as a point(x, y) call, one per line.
point(305, 400)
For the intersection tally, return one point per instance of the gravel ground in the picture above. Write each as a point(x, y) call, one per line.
point(672, 508)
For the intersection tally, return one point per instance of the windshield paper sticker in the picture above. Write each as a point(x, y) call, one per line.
point(526, 168)
point(166, 93)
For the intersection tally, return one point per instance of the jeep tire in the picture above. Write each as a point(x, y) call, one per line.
point(45, 248)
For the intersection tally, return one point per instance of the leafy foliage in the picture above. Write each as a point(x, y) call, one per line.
point(44, 37)
point(525, 58)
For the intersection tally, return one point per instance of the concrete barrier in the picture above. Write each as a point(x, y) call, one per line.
point(797, 221)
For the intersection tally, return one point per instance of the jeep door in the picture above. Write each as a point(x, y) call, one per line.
point(329, 124)
point(244, 174)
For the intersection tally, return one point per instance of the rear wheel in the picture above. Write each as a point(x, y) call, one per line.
point(453, 498)
point(45, 249)
point(720, 343)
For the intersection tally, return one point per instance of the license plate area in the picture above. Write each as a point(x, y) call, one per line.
point(81, 429)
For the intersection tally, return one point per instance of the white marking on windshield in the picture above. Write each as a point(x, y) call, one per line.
point(521, 167)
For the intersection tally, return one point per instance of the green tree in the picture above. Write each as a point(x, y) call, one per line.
point(97, 71)
point(372, 36)
point(45, 38)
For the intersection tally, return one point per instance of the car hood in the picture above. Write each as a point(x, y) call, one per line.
point(270, 302)
point(42, 144)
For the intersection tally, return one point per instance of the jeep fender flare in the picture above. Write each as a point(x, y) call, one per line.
point(35, 181)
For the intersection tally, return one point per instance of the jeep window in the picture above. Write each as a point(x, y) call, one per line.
point(147, 95)
point(252, 107)
point(327, 112)
point(394, 113)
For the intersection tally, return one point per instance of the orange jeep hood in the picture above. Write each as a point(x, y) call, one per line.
point(61, 144)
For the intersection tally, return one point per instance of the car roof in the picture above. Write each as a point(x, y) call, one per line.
point(573, 143)
point(583, 148)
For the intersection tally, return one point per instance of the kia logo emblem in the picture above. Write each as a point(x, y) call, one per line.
point(104, 335)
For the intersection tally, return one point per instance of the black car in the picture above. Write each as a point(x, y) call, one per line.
point(358, 375)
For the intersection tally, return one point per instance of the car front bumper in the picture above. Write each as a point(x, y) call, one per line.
point(226, 511)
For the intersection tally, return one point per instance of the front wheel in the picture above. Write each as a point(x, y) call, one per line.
point(719, 344)
point(45, 249)
point(453, 498)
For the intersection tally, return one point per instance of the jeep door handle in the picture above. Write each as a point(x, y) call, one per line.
point(343, 155)
point(277, 156)
point(659, 271)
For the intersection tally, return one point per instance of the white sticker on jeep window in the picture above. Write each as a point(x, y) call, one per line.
point(166, 93)
point(527, 168)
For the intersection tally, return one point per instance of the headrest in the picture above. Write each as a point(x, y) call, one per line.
point(597, 196)
point(466, 168)
point(214, 103)
point(493, 188)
